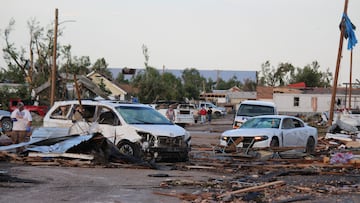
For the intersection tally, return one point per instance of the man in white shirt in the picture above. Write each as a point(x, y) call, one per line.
point(21, 124)
point(170, 114)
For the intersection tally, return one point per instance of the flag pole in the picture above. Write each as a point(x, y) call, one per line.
point(342, 30)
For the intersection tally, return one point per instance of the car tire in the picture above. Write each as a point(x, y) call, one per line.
point(217, 114)
point(274, 142)
point(6, 124)
point(310, 146)
point(129, 149)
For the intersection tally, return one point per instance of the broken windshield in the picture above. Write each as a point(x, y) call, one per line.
point(142, 115)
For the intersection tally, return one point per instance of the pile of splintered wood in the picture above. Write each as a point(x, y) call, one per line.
point(290, 178)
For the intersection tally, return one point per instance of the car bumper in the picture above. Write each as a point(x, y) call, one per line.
point(244, 144)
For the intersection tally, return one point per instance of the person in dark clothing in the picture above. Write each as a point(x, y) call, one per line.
point(209, 114)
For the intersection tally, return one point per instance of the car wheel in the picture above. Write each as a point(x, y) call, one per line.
point(128, 148)
point(217, 114)
point(310, 145)
point(6, 124)
point(274, 142)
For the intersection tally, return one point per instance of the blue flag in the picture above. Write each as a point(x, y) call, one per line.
point(349, 32)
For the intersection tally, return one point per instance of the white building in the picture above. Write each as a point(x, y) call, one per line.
point(314, 100)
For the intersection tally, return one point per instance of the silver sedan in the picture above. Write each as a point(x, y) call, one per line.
point(271, 131)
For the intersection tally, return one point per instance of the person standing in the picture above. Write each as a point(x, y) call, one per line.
point(209, 114)
point(22, 121)
point(202, 114)
point(170, 114)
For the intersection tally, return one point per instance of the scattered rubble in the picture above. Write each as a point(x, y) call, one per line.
point(276, 179)
point(274, 175)
point(54, 146)
point(262, 175)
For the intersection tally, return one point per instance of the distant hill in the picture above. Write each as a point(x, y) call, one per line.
point(213, 74)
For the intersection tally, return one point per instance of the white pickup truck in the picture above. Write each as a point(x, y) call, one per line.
point(185, 114)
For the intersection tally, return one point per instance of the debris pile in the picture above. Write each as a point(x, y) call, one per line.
point(277, 179)
point(262, 175)
point(272, 175)
point(54, 146)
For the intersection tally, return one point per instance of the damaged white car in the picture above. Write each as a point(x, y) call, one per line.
point(271, 131)
point(136, 129)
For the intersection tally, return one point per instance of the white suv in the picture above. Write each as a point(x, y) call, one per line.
point(251, 108)
point(136, 129)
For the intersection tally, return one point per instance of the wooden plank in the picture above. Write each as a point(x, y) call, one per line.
point(200, 167)
point(44, 163)
point(353, 144)
point(74, 163)
point(280, 182)
point(183, 196)
point(66, 155)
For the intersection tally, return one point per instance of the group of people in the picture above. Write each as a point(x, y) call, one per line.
point(170, 114)
point(203, 113)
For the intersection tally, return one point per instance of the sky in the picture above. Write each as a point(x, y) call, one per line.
point(201, 34)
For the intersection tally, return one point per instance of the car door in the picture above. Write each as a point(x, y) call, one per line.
point(59, 117)
point(291, 132)
point(301, 133)
point(108, 122)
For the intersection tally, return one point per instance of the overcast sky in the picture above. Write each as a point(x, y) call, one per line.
point(202, 34)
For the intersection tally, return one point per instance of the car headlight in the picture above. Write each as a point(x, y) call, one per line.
point(260, 138)
point(224, 138)
point(145, 136)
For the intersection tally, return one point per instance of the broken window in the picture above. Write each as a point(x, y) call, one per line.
point(62, 112)
point(87, 112)
point(107, 116)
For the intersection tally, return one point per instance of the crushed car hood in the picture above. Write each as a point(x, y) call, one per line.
point(162, 130)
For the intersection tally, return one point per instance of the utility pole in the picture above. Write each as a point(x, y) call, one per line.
point(350, 80)
point(53, 72)
point(342, 30)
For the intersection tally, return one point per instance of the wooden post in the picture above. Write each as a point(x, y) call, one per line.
point(77, 91)
point(53, 72)
point(342, 30)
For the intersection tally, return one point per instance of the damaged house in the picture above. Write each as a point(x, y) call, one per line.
point(90, 86)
